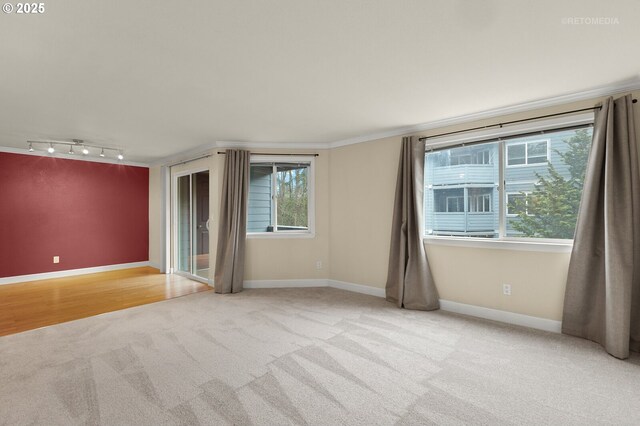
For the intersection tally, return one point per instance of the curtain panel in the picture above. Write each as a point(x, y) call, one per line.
point(602, 298)
point(409, 280)
point(232, 227)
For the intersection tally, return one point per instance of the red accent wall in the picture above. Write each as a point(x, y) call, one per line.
point(89, 214)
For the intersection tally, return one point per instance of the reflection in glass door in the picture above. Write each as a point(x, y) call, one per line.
point(192, 224)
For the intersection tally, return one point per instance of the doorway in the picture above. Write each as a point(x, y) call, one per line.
point(191, 225)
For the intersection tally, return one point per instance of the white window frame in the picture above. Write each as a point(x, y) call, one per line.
point(311, 216)
point(526, 202)
point(447, 197)
point(474, 198)
point(526, 153)
point(505, 242)
point(485, 153)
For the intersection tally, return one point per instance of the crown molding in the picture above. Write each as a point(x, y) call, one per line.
point(609, 90)
point(271, 145)
point(77, 157)
point(186, 155)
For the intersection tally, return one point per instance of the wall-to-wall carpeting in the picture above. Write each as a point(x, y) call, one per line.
point(307, 356)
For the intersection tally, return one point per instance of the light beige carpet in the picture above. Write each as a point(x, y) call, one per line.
point(307, 356)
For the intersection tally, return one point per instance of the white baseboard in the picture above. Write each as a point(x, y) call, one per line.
point(501, 316)
point(70, 272)
point(357, 288)
point(322, 282)
point(285, 283)
point(445, 305)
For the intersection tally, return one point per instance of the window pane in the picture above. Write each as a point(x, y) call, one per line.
point(516, 203)
point(184, 224)
point(554, 189)
point(480, 200)
point(461, 191)
point(292, 198)
point(260, 206)
point(455, 204)
point(537, 152)
point(516, 154)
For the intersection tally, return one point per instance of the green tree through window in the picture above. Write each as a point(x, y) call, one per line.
point(292, 196)
point(551, 209)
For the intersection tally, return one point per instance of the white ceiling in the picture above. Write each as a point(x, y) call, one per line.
point(161, 77)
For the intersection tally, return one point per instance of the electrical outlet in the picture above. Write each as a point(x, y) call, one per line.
point(319, 264)
point(56, 259)
point(506, 289)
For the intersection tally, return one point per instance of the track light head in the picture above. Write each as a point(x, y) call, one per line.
point(51, 150)
point(102, 153)
point(85, 151)
point(71, 151)
point(31, 147)
point(120, 156)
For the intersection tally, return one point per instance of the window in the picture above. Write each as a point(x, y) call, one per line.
point(455, 204)
point(471, 156)
point(494, 199)
point(479, 200)
point(280, 196)
point(525, 153)
point(449, 200)
point(517, 203)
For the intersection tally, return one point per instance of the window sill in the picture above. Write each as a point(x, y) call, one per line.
point(278, 235)
point(539, 246)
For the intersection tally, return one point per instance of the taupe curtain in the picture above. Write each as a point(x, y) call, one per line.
point(409, 280)
point(232, 228)
point(602, 299)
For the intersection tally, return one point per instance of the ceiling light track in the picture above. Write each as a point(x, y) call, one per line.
point(83, 148)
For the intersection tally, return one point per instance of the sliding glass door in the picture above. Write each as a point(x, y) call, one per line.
point(191, 233)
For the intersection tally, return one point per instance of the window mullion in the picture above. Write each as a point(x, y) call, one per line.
point(274, 198)
point(501, 191)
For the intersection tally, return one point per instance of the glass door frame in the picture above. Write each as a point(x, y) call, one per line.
point(174, 224)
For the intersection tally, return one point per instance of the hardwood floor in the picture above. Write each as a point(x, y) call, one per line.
point(35, 304)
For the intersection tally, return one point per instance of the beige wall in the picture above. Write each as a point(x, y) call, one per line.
point(475, 276)
point(362, 186)
point(155, 217)
point(362, 189)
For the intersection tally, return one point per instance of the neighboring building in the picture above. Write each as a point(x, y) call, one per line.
point(461, 183)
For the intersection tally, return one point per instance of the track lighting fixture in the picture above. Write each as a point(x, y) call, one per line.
point(79, 144)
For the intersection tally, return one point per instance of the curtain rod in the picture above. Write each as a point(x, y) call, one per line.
point(189, 161)
point(444, 145)
point(273, 153)
point(513, 122)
